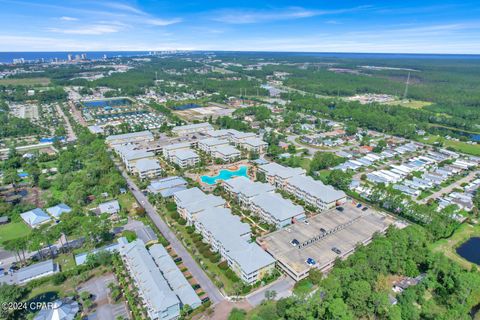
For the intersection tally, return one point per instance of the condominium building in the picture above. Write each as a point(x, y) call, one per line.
point(208, 145)
point(185, 158)
point(135, 137)
point(277, 175)
point(192, 128)
point(154, 291)
point(226, 153)
point(276, 210)
point(254, 144)
point(130, 155)
point(192, 201)
point(34, 271)
point(230, 237)
point(148, 168)
point(314, 192)
point(244, 190)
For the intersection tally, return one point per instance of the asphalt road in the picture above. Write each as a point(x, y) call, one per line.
point(188, 261)
point(471, 176)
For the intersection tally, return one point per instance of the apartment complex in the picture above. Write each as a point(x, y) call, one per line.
point(192, 128)
point(225, 233)
point(134, 137)
point(315, 193)
point(181, 154)
point(294, 181)
point(230, 237)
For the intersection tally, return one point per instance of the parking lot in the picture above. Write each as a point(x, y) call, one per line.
point(321, 239)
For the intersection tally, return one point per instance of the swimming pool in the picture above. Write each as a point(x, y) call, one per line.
point(225, 175)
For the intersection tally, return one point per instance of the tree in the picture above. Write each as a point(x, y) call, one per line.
point(270, 294)
point(339, 179)
point(10, 294)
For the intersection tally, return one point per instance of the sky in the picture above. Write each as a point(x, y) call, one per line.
point(388, 26)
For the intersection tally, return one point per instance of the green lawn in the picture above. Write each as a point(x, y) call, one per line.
point(460, 146)
point(13, 230)
point(448, 246)
point(25, 82)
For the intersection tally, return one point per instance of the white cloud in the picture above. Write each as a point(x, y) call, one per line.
point(65, 18)
point(245, 16)
point(161, 22)
point(94, 29)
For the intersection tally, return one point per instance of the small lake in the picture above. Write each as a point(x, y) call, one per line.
point(470, 250)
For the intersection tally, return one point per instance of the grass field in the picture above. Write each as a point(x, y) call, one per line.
point(448, 246)
point(26, 82)
point(414, 104)
point(13, 230)
point(473, 149)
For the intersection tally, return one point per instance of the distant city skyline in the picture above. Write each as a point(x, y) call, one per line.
point(301, 26)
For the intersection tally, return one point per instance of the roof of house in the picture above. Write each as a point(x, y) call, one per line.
point(316, 188)
point(281, 209)
point(147, 234)
point(109, 207)
point(56, 211)
point(63, 309)
point(251, 257)
point(35, 217)
point(81, 258)
point(32, 271)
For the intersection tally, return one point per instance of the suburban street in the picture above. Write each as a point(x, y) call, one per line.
point(188, 261)
point(450, 188)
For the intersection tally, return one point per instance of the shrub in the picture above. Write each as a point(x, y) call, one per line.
point(223, 265)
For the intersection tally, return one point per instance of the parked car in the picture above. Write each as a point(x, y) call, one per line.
point(365, 209)
point(340, 209)
point(336, 250)
point(359, 205)
point(310, 262)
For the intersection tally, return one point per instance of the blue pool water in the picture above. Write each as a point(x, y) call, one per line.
point(225, 175)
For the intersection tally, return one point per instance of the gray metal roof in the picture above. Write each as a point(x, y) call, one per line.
point(109, 207)
point(143, 165)
point(189, 196)
point(227, 150)
point(154, 288)
point(174, 276)
point(211, 142)
point(35, 217)
point(64, 309)
point(57, 210)
point(254, 141)
point(275, 169)
point(281, 209)
point(185, 154)
point(167, 186)
point(205, 125)
point(208, 201)
point(317, 189)
point(147, 134)
point(32, 271)
point(251, 258)
point(247, 187)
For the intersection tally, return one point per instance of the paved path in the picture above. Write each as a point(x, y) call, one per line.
point(188, 261)
point(450, 188)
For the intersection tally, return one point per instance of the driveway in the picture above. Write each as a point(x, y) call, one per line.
point(104, 309)
point(283, 287)
point(205, 282)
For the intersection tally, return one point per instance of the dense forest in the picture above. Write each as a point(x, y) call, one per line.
point(361, 286)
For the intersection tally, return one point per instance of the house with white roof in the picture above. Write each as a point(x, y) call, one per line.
point(56, 211)
point(110, 207)
point(36, 217)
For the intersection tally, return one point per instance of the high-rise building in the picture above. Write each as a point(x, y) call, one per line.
point(69, 57)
